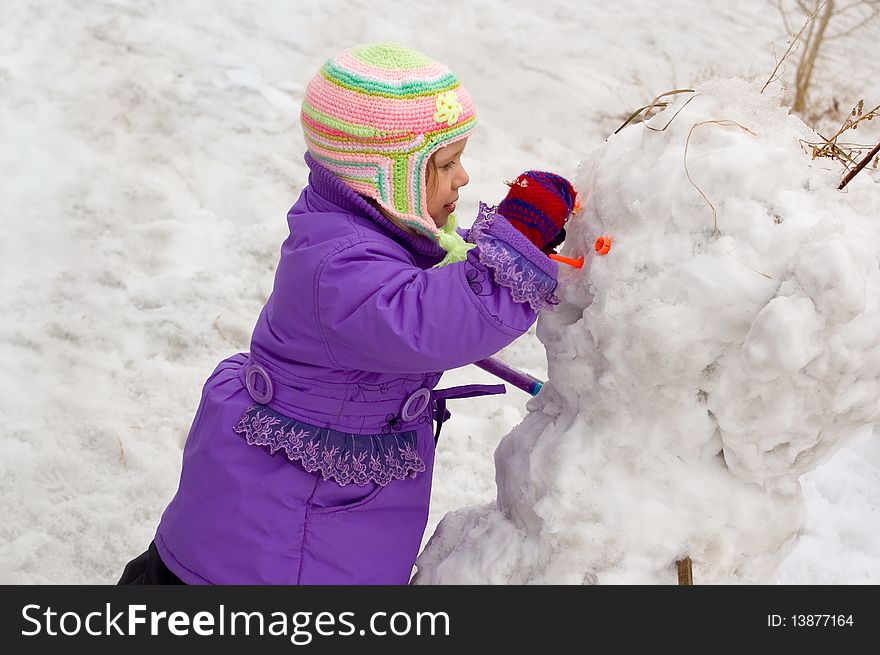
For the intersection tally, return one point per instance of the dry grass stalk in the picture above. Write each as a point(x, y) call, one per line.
point(644, 113)
point(715, 232)
point(672, 118)
point(722, 123)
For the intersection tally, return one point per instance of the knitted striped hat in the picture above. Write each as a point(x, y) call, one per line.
point(374, 115)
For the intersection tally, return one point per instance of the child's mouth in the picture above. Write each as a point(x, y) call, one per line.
point(450, 207)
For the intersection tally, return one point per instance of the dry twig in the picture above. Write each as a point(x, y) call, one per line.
point(858, 168)
point(791, 43)
point(847, 154)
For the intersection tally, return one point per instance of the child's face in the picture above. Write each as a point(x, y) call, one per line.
point(450, 176)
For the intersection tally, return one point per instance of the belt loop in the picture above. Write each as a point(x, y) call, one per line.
point(422, 398)
point(253, 371)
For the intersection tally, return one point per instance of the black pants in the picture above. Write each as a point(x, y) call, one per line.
point(148, 568)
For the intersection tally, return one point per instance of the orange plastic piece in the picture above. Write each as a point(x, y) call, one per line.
point(577, 263)
point(603, 245)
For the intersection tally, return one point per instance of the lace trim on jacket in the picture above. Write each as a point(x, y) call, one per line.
point(345, 458)
point(516, 262)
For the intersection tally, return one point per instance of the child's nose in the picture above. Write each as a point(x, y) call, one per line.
point(463, 178)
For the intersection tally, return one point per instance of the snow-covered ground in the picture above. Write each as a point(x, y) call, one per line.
point(149, 152)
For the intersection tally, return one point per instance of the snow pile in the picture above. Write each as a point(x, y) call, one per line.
point(698, 369)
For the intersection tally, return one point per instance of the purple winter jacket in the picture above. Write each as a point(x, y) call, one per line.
point(338, 390)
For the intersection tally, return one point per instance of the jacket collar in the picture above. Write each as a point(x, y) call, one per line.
point(334, 190)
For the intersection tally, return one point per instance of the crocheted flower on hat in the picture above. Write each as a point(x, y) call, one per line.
point(448, 108)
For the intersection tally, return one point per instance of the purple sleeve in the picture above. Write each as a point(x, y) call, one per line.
point(379, 312)
point(516, 263)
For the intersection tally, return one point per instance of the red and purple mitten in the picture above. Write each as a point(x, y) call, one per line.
point(538, 204)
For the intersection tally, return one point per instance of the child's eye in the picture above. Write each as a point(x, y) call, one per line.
point(448, 166)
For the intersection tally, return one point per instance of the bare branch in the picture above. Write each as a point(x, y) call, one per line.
point(858, 168)
point(807, 63)
point(791, 44)
point(857, 26)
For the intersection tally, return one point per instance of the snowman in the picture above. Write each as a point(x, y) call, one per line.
point(725, 343)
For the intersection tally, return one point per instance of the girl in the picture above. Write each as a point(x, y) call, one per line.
point(309, 459)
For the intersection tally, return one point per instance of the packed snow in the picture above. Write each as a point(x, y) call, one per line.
point(150, 151)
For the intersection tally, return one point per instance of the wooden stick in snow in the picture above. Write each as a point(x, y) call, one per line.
point(861, 165)
point(685, 571)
